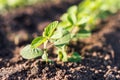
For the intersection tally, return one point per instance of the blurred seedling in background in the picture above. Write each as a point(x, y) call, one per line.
point(82, 19)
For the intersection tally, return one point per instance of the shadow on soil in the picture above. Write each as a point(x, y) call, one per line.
point(113, 39)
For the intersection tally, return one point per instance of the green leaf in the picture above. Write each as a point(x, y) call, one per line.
point(83, 34)
point(81, 19)
point(72, 10)
point(60, 32)
point(72, 18)
point(66, 25)
point(67, 21)
point(103, 14)
point(49, 30)
point(61, 37)
point(75, 57)
point(38, 41)
point(82, 5)
point(63, 41)
point(64, 17)
point(29, 53)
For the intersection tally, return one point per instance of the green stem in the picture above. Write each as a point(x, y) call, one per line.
point(65, 58)
point(62, 55)
point(45, 52)
point(74, 30)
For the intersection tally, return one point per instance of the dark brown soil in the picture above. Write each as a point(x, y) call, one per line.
point(101, 52)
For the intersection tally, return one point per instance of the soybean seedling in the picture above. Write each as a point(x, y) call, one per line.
point(60, 39)
point(81, 19)
point(75, 25)
point(31, 50)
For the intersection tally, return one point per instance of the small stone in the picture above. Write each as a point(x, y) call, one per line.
point(115, 68)
point(92, 69)
point(117, 76)
point(0, 59)
point(8, 64)
point(107, 57)
point(96, 72)
point(100, 70)
point(94, 54)
point(109, 67)
point(119, 71)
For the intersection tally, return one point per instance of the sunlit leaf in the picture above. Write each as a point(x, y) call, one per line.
point(59, 33)
point(64, 17)
point(63, 41)
point(72, 10)
point(75, 57)
point(50, 29)
point(61, 37)
point(72, 18)
point(29, 53)
point(38, 41)
point(83, 34)
point(66, 25)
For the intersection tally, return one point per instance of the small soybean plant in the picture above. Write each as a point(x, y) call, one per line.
point(58, 36)
point(60, 39)
point(75, 24)
point(82, 19)
point(32, 51)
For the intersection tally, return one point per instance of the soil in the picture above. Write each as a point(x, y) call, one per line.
point(100, 52)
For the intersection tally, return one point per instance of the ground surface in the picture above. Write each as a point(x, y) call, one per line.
point(101, 52)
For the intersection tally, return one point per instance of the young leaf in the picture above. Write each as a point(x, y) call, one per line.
point(61, 37)
point(81, 19)
point(103, 14)
point(29, 53)
point(38, 41)
point(60, 32)
point(63, 41)
point(66, 25)
point(75, 57)
point(72, 18)
point(64, 17)
point(50, 29)
point(72, 10)
point(83, 34)
point(82, 5)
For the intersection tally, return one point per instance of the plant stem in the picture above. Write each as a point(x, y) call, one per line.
point(74, 30)
point(45, 51)
point(65, 59)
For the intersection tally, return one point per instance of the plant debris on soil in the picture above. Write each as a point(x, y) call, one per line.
point(100, 52)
